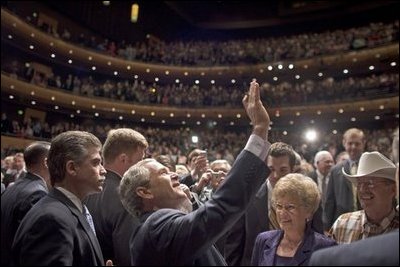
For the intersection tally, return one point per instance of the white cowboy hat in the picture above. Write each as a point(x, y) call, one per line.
point(373, 164)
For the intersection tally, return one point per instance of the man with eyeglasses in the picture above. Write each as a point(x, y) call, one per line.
point(376, 190)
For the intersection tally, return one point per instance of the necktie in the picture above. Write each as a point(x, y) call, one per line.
point(353, 171)
point(89, 218)
point(323, 188)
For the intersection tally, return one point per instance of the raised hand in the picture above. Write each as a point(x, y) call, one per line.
point(256, 111)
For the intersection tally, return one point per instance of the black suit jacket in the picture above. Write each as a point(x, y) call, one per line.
point(114, 225)
point(313, 175)
point(381, 250)
point(339, 195)
point(54, 232)
point(170, 237)
point(16, 201)
point(239, 244)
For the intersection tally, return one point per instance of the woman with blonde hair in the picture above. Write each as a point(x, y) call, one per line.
point(295, 198)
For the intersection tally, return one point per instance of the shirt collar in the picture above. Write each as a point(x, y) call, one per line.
point(382, 225)
point(77, 202)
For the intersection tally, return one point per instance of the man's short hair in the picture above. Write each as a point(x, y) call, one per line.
point(280, 149)
point(122, 140)
point(70, 145)
point(35, 153)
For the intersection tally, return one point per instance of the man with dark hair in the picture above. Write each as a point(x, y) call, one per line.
point(58, 230)
point(18, 199)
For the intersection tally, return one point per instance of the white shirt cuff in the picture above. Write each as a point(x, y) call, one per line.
point(258, 146)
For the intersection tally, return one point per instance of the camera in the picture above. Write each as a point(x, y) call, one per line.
point(215, 175)
point(203, 153)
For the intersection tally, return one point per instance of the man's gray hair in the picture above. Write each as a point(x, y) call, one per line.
point(321, 154)
point(136, 176)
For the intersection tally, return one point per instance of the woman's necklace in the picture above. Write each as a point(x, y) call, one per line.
point(287, 248)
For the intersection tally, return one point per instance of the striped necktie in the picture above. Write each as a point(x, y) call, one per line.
point(89, 218)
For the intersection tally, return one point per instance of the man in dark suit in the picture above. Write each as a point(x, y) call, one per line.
point(323, 162)
point(123, 148)
point(58, 230)
point(172, 235)
point(19, 198)
point(340, 195)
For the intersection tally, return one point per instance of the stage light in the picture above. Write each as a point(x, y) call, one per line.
point(134, 13)
point(195, 139)
point(311, 135)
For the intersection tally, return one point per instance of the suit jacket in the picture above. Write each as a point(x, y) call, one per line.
point(267, 244)
point(240, 240)
point(313, 175)
point(55, 232)
point(339, 195)
point(114, 225)
point(381, 250)
point(170, 237)
point(16, 201)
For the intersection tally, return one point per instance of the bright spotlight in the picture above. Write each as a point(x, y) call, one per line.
point(195, 139)
point(311, 135)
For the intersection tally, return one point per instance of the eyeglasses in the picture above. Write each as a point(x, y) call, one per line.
point(370, 184)
point(288, 207)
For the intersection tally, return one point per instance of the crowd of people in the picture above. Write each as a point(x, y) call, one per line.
point(326, 90)
point(177, 143)
point(111, 202)
point(243, 51)
point(96, 192)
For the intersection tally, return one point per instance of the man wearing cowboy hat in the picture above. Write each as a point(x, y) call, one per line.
point(376, 190)
point(385, 254)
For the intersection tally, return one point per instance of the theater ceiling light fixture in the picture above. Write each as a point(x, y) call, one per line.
point(134, 13)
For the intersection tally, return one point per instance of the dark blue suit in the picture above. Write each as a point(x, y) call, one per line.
point(114, 225)
point(381, 250)
point(170, 237)
point(16, 201)
point(339, 194)
point(267, 243)
point(54, 232)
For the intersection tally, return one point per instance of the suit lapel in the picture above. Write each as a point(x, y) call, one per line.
point(347, 182)
point(304, 252)
point(90, 234)
point(271, 248)
point(82, 220)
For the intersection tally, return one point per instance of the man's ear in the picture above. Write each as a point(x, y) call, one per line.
point(70, 167)
point(122, 157)
point(144, 192)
